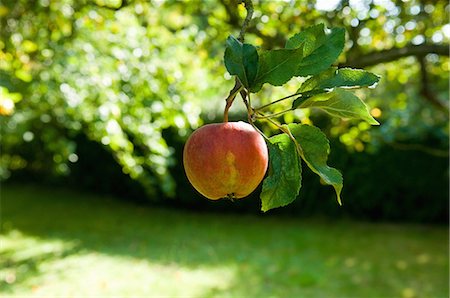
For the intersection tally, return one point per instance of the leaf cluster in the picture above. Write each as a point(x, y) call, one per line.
point(308, 54)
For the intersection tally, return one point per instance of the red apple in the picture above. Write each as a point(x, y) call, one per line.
point(225, 160)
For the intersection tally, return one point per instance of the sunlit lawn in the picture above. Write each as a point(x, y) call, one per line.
point(66, 244)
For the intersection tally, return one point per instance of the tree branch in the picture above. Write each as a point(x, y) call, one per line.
point(393, 54)
point(425, 90)
point(249, 7)
point(237, 85)
point(233, 16)
point(420, 147)
point(235, 20)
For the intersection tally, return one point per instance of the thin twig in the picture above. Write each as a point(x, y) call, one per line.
point(270, 120)
point(257, 129)
point(277, 101)
point(233, 19)
point(249, 7)
point(250, 112)
point(286, 130)
point(394, 54)
point(237, 85)
point(274, 114)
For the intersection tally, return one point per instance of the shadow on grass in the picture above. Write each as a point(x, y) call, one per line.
point(20, 270)
point(267, 255)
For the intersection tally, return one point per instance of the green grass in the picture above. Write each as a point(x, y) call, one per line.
point(56, 243)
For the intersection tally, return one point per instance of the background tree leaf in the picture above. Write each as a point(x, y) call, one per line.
point(320, 49)
point(276, 67)
point(241, 60)
point(342, 77)
point(314, 151)
point(340, 103)
point(283, 182)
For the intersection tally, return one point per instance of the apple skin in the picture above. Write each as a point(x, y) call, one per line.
point(225, 160)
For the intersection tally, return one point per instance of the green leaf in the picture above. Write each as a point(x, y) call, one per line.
point(343, 77)
point(241, 60)
point(309, 38)
point(314, 151)
point(340, 103)
point(283, 182)
point(276, 67)
point(320, 48)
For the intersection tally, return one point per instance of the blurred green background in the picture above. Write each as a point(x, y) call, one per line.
point(98, 97)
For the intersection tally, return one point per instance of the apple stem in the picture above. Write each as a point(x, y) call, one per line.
point(236, 89)
point(225, 113)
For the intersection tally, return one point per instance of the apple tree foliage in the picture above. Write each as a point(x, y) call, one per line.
point(75, 67)
point(123, 72)
point(310, 55)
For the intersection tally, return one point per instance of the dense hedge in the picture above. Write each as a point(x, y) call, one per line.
point(398, 185)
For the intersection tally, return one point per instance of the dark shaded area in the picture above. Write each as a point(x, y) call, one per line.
point(391, 184)
point(95, 170)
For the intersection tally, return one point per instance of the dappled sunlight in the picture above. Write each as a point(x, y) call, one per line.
point(35, 267)
point(99, 101)
point(22, 256)
point(85, 245)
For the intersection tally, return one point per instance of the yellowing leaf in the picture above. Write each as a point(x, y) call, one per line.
point(314, 151)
